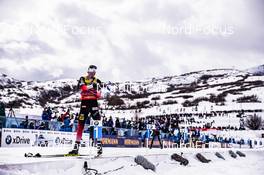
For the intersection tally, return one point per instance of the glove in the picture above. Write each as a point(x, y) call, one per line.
point(90, 86)
point(85, 88)
point(98, 94)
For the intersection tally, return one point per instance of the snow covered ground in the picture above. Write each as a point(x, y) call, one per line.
point(120, 161)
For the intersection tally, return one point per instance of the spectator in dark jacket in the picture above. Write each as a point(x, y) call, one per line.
point(31, 125)
point(25, 123)
point(110, 122)
point(45, 114)
point(117, 123)
point(124, 124)
point(49, 113)
point(104, 121)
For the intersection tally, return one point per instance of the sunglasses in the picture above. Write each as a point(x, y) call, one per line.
point(92, 67)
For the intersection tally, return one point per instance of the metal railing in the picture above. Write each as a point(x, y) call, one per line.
point(67, 126)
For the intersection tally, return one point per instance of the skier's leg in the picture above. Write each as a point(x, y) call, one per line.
point(81, 122)
point(91, 131)
point(80, 127)
point(97, 134)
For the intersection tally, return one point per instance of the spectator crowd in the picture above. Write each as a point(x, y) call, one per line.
point(175, 127)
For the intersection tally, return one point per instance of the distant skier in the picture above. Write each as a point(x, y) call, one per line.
point(156, 133)
point(90, 92)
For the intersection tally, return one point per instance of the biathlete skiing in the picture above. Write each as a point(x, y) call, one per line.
point(90, 92)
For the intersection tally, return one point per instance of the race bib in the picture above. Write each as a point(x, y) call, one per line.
point(81, 117)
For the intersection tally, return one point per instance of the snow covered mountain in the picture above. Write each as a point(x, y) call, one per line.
point(217, 87)
point(34, 94)
point(259, 70)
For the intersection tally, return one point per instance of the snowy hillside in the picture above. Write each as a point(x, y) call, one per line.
point(215, 88)
point(34, 94)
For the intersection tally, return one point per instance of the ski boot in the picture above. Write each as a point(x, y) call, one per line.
point(75, 150)
point(99, 149)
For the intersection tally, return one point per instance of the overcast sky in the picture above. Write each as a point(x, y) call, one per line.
point(128, 39)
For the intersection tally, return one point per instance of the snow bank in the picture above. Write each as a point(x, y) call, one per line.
point(120, 161)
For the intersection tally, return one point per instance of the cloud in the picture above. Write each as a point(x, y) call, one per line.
point(16, 50)
point(128, 40)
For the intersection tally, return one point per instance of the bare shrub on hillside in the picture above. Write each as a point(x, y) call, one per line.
point(254, 122)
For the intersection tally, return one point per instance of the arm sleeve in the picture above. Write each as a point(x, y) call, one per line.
point(99, 84)
point(82, 84)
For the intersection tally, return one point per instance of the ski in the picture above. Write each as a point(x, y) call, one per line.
point(38, 155)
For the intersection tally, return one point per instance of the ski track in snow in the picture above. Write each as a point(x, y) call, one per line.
point(120, 161)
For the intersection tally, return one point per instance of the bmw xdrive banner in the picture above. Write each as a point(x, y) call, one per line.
point(29, 138)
